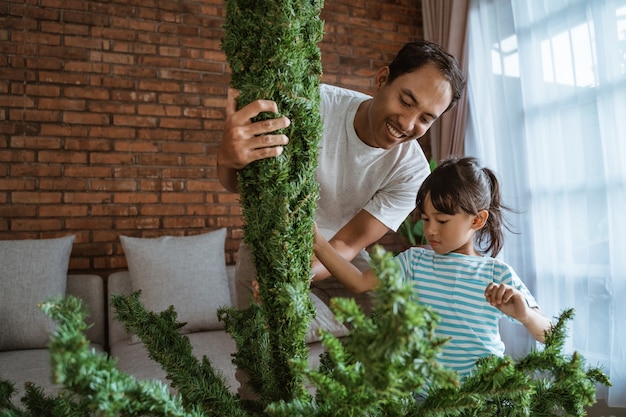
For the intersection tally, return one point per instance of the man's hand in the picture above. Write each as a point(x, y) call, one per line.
point(245, 141)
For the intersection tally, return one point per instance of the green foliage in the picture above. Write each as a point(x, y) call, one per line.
point(413, 231)
point(197, 382)
point(373, 372)
point(388, 356)
point(399, 360)
point(544, 383)
point(272, 50)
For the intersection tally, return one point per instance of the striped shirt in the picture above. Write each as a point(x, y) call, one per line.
point(454, 286)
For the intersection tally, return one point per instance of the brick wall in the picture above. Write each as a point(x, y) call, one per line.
point(111, 113)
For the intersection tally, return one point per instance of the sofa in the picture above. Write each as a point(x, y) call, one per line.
point(33, 271)
point(162, 269)
point(188, 272)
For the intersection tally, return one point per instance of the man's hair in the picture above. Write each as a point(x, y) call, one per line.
point(415, 55)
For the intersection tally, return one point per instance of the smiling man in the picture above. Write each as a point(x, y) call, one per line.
point(370, 164)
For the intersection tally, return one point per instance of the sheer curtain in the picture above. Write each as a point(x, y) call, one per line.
point(547, 100)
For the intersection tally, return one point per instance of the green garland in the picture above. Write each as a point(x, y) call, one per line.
point(272, 50)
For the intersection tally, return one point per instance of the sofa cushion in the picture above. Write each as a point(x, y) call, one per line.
point(30, 365)
point(324, 320)
point(187, 272)
point(218, 347)
point(33, 270)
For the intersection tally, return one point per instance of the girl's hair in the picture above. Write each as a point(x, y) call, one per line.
point(462, 185)
point(415, 55)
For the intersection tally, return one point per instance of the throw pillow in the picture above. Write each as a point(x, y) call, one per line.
point(324, 319)
point(31, 271)
point(186, 272)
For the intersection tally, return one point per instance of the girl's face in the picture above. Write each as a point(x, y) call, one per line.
point(451, 233)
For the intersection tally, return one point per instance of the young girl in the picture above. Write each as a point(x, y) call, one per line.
point(460, 205)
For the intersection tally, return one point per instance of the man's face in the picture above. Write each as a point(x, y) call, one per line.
point(404, 109)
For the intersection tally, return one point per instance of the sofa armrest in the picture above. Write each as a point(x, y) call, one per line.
point(90, 288)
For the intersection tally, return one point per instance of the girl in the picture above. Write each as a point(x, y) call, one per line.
point(460, 205)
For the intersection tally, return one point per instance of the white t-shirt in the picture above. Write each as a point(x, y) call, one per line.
point(355, 176)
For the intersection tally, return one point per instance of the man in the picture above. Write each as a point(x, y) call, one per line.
point(370, 164)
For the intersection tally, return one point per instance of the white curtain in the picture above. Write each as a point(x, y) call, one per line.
point(547, 111)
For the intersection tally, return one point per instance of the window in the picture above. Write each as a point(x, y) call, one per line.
point(550, 118)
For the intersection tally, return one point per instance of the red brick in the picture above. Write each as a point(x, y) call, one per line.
point(18, 225)
point(170, 123)
point(188, 173)
point(159, 159)
point(16, 101)
point(182, 198)
point(34, 115)
point(63, 184)
point(113, 185)
point(206, 210)
point(16, 156)
point(93, 223)
point(137, 121)
point(63, 210)
point(61, 104)
point(162, 210)
point(115, 211)
point(138, 223)
point(32, 170)
point(34, 37)
point(87, 172)
point(64, 131)
point(111, 158)
point(184, 222)
point(91, 144)
point(30, 142)
point(136, 172)
point(111, 107)
point(86, 197)
point(111, 132)
point(135, 198)
point(85, 67)
point(136, 146)
point(15, 184)
point(182, 147)
point(158, 110)
point(86, 92)
point(62, 157)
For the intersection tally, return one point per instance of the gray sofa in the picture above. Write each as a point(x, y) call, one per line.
point(186, 272)
point(33, 271)
point(22, 365)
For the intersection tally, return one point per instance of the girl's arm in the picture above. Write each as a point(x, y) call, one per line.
point(512, 303)
point(348, 274)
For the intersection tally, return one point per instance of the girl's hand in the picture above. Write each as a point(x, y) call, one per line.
point(508, 300)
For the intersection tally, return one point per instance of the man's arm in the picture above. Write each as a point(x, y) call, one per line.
point(360, 232)
point(245, 141)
